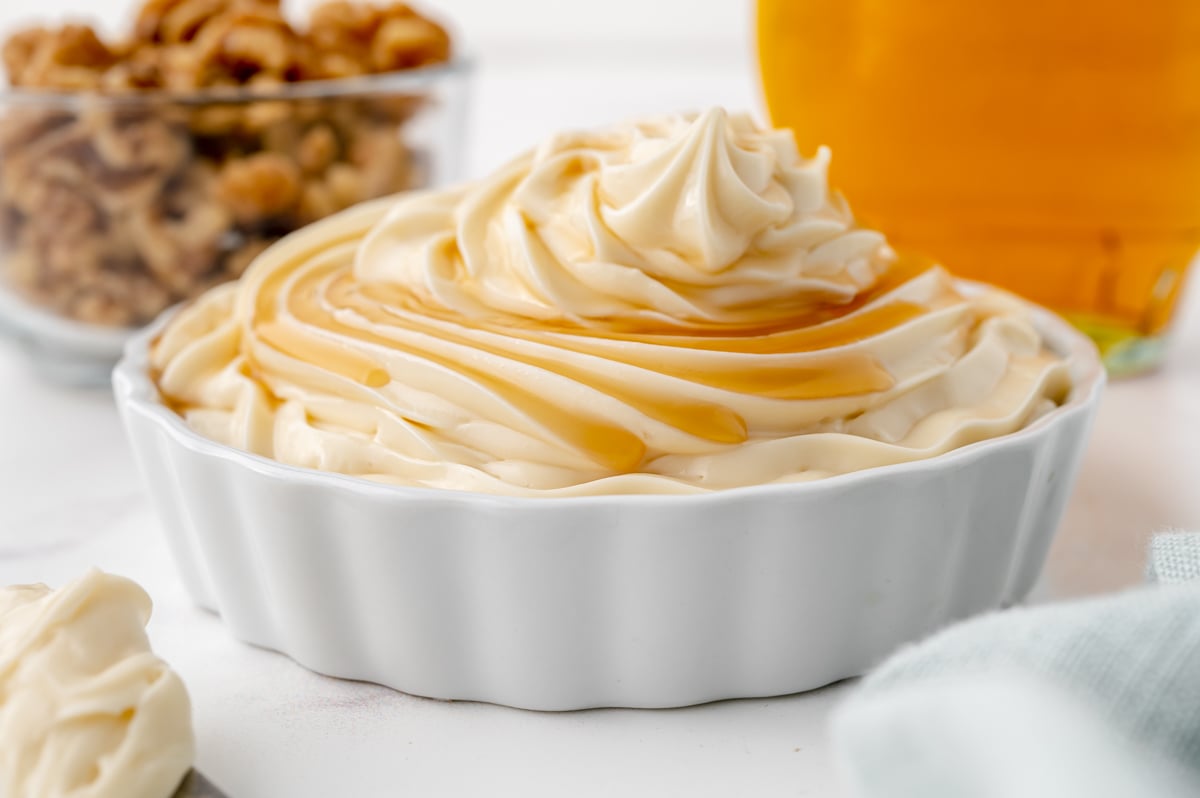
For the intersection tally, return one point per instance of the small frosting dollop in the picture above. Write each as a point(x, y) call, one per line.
point(86, 709)
point(676, 305)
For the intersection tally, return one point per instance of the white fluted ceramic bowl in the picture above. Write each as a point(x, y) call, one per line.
point(630, 601)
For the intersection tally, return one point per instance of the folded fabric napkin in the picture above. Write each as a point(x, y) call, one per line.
point(1097, 699)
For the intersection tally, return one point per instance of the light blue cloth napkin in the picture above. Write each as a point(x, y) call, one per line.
point(1088, 699)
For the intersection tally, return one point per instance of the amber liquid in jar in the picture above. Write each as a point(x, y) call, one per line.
point(1051, 147)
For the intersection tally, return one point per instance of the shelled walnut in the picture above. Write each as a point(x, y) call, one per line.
point(137, 173)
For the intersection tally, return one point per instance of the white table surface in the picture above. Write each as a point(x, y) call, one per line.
point(70, 498)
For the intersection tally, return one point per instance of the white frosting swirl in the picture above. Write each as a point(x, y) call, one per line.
point(676, 305)
point(672, 221)
point(86, 710)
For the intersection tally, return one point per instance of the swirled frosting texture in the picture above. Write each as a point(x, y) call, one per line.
point(86, 710)
point(676, 305)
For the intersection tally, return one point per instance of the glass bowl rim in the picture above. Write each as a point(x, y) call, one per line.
point(331, 88)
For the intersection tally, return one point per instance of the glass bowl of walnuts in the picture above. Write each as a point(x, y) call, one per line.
point(135, 174)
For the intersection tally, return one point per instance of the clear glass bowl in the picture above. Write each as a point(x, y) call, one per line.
point(116, 207)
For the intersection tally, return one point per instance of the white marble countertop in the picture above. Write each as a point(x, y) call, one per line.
point(70, 498)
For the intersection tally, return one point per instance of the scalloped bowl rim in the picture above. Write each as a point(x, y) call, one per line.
point(134, 389)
